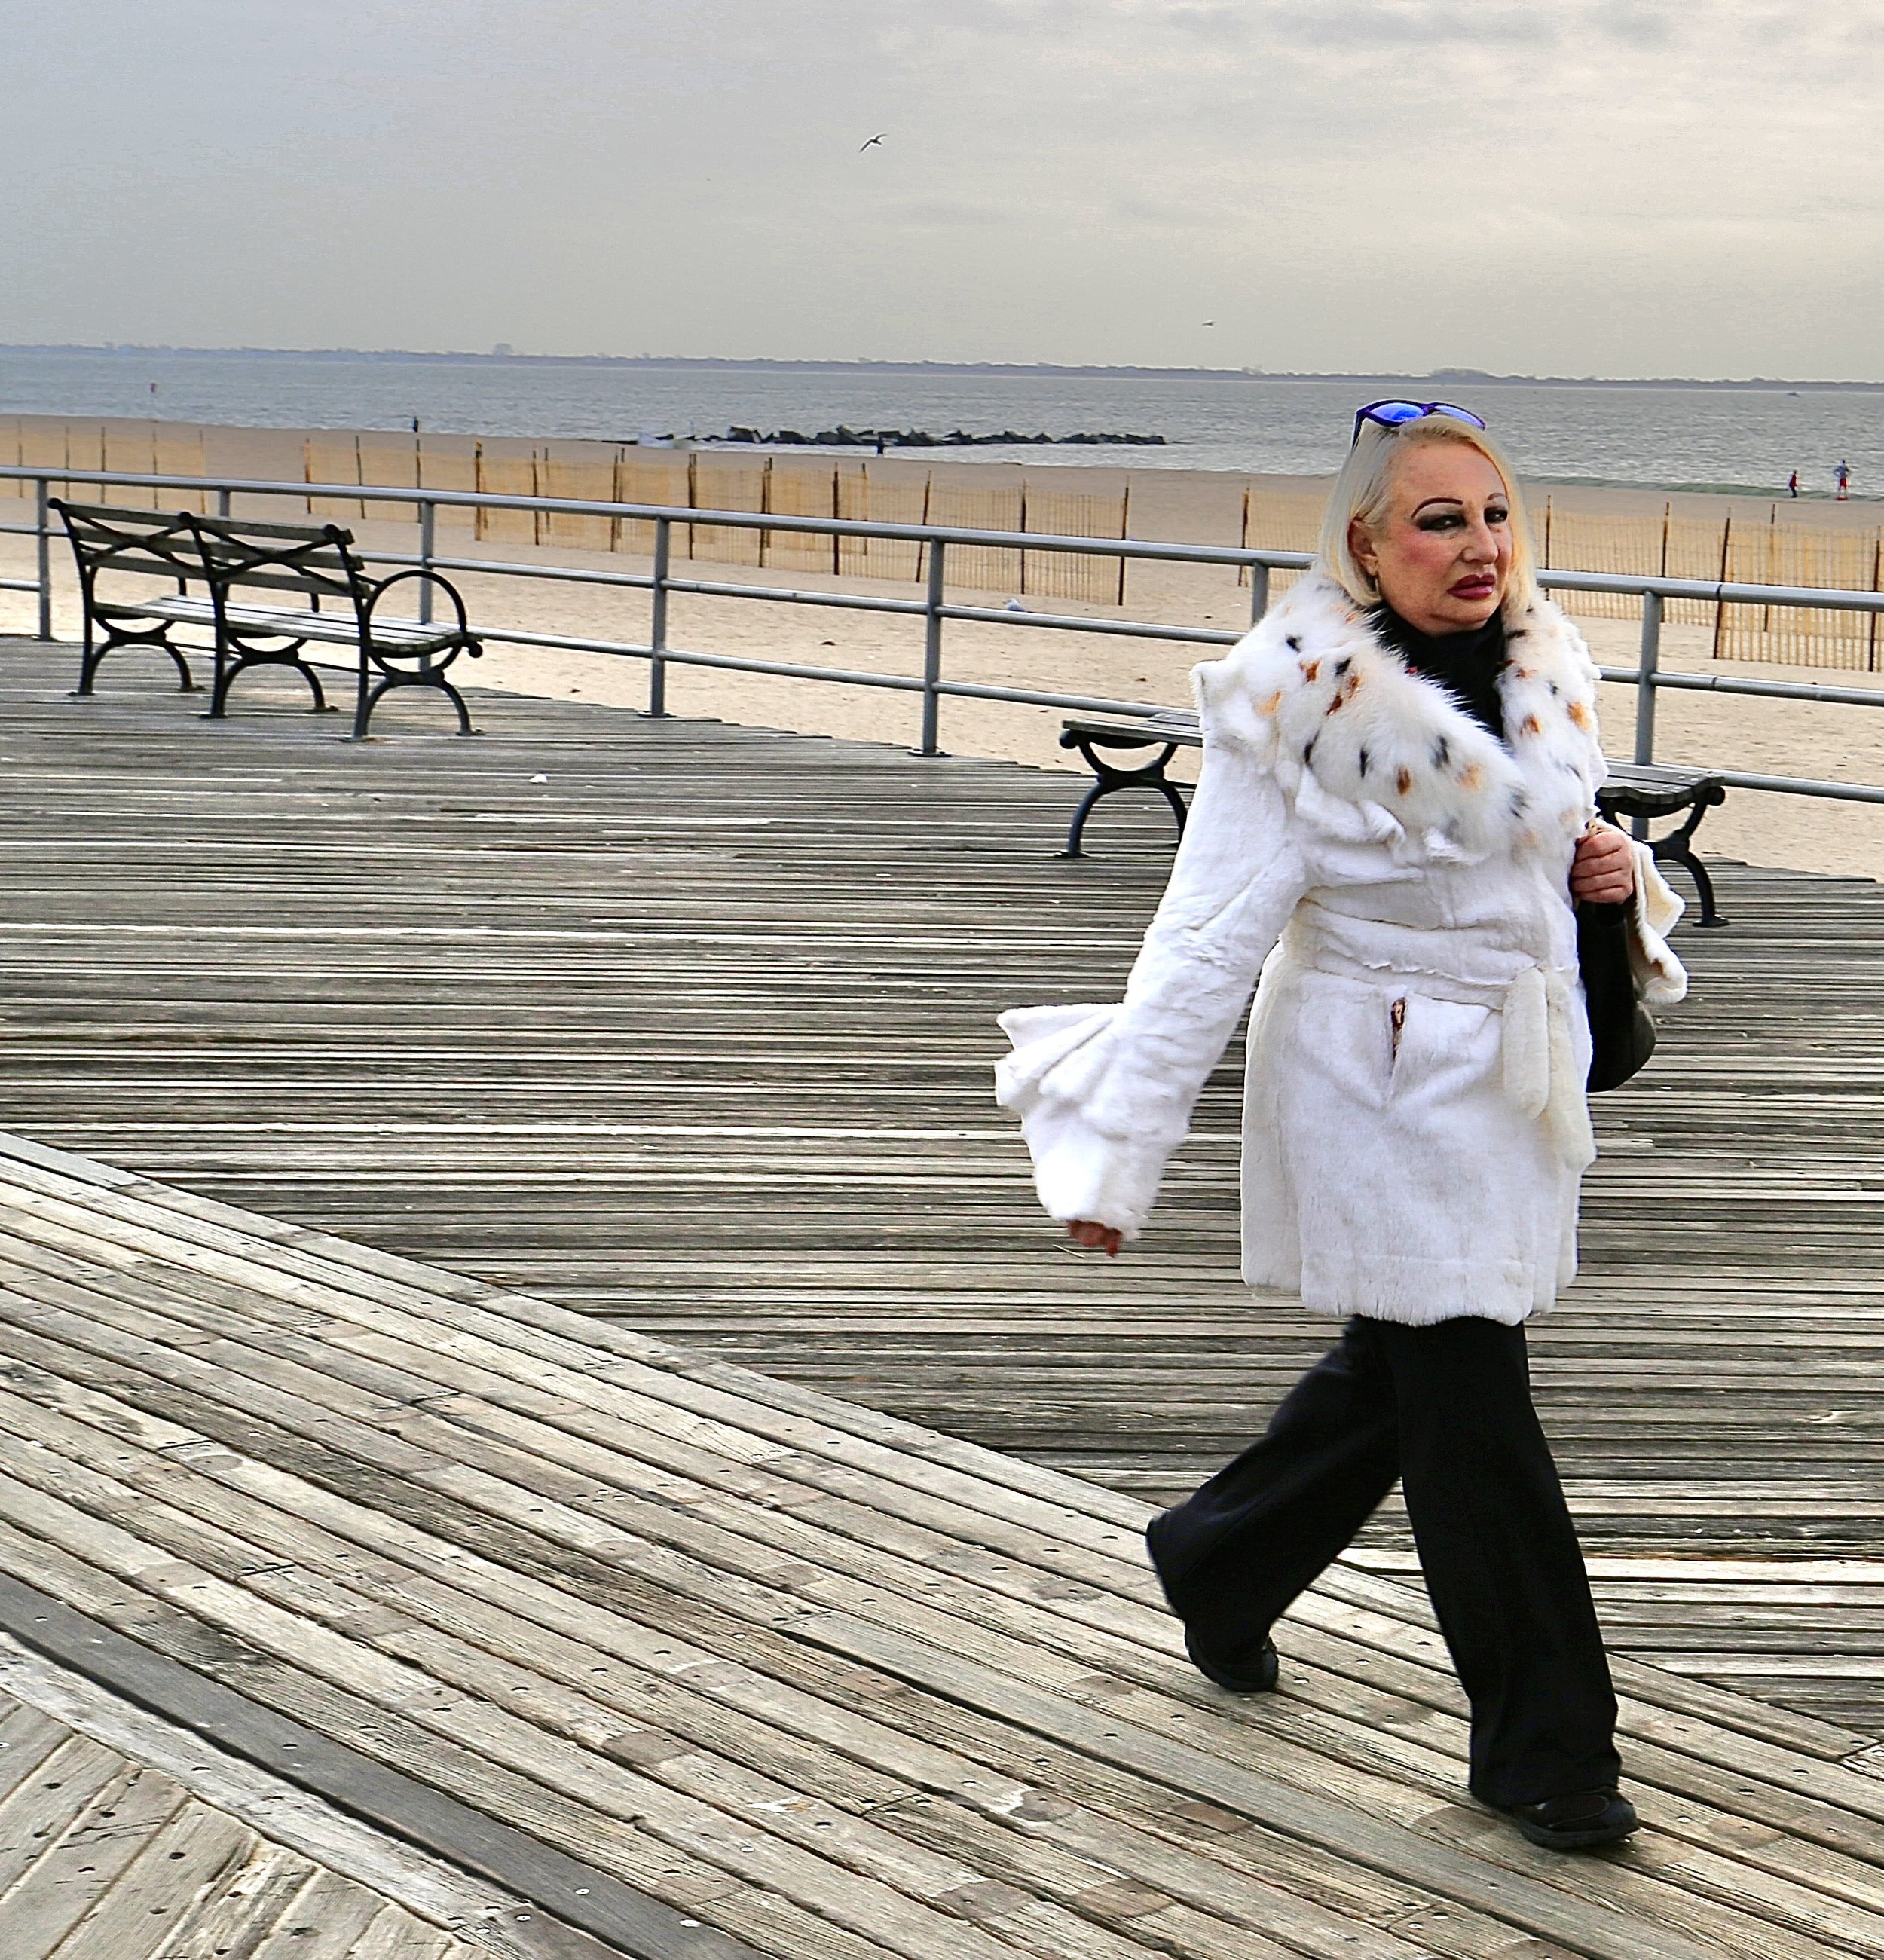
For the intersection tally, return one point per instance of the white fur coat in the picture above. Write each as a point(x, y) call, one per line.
point(1415, 1128)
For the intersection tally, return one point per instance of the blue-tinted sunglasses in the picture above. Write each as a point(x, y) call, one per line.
point(1391, 414)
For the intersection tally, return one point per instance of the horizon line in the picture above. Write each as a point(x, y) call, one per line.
point(1474, 376)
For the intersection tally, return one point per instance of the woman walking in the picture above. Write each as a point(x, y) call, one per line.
point(1394, 822)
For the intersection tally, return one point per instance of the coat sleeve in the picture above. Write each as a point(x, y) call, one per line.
point(1660, 979)
point(1105, 1093)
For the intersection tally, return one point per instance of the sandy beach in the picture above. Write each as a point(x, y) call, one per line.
point(1722, 731)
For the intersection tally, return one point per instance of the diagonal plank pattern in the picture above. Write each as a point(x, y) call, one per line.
point(104, 1857)
point(834, 1684)
point(690, 1026)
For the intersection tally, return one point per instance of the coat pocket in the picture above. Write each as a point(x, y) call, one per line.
point(1440, 1048)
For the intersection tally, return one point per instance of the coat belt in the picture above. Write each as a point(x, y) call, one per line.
point(1537, 1011)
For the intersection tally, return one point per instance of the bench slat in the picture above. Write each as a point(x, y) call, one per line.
point(325, 626)
point(1178, 726)
point(1656, 776)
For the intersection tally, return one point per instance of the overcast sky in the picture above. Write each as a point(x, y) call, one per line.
point(1569, 187)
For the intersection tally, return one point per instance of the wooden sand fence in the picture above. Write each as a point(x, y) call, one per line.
point(818, 486)
point(1731, 550)
point(1779, 550)
point(144, 449)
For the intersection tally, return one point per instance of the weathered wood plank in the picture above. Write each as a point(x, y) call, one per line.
point(99, 1468)
point(297, 1834)
point(673, 1712)
point(198, 1854)
point(80, 1864)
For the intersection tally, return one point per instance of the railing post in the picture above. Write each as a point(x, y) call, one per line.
point(1258, 592)
point(1650, 660)
point(428, 537)
point(43, 504)
point(1645, 667)
point(222, 502)
point(656, 708)
point(932, 655)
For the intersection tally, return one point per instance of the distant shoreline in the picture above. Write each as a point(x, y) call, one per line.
point(1441, 378)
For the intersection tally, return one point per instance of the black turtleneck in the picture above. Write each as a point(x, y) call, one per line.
point(1467, 663)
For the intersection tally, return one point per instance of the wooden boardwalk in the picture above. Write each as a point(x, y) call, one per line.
point(834, 1686)
point(121, 1839)
point(689, 1028)
point(100, 1857)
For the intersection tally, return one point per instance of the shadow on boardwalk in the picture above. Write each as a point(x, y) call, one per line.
point(690, 1026)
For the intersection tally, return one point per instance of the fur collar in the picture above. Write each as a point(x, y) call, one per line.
point(1369, 751)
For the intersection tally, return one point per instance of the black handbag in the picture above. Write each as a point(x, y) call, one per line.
point(1622, 1030)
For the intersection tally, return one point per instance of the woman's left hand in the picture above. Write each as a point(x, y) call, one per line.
point(1603, 871)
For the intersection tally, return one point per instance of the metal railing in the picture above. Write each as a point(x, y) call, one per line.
point(1648, 677)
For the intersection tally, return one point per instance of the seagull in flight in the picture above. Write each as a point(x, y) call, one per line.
point(875, 142)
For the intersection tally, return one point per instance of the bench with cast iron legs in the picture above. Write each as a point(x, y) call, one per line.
point(229, 559)
point(1645, 790)
point(1640, 790)
point(1097, 737)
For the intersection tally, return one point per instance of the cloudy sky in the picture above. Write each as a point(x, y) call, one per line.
point(1570, 186)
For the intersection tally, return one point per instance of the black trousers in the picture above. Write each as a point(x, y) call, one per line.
point(1446, 1409)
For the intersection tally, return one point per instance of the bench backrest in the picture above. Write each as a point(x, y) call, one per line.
point(317, 561)
point(158, 544)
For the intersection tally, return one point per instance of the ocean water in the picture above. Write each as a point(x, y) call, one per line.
point(1743, 437)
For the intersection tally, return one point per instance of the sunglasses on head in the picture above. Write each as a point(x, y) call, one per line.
point(1391, 414)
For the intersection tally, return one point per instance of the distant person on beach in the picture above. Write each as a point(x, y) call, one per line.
point(1792, 485)
point(1393, 830)
point(1842, 476)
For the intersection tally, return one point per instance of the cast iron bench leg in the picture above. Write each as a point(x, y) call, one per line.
point(227, 667)
point(1674, 849)
point(1150, 775)
point(1078, 828)
point(229, 671)
point(457, 701)
point(185, 681)
point(434, 677)
point(1678, 846)
point(1176, 802)
point(1703, 884)
point(89, 664)
point(93, 658)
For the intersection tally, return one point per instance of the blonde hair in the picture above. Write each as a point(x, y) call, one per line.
point(1361, 493)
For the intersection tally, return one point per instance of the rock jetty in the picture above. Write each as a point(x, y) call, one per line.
point(842, 437)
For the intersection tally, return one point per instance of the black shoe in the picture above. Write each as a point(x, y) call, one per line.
point(1573, 1823)
point(1253, 1674)
point(1151, 1553)
point(1257, 1676)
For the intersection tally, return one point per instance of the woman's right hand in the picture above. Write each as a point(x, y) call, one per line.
point(1602, 872)
point(1106, 1238)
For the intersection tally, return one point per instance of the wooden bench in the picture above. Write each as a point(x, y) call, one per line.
point(227, 558)
point(1640, 790)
